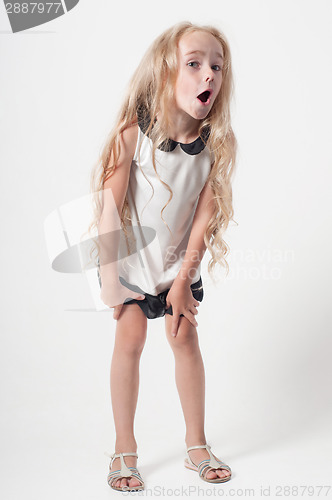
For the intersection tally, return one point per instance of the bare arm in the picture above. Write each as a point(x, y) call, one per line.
point(180, 295)
point(196, 247)
point(114, 193)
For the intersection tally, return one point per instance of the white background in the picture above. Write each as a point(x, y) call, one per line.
point(265, 331)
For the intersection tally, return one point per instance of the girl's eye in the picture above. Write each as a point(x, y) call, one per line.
point(192, 62)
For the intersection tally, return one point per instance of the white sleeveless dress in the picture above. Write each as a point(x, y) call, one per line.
point(154, 261)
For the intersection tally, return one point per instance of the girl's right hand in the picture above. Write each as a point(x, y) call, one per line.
point(113, 295)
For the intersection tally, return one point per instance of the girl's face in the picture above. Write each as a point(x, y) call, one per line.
point(200, 60)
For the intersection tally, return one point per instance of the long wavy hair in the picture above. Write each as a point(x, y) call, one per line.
point(151, 88)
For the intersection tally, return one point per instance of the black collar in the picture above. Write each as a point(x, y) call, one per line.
point(193, 148)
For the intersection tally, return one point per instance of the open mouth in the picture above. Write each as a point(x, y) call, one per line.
point(204, 96)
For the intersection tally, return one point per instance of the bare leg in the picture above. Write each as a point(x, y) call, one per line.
point(130, 338)
point(190, 382)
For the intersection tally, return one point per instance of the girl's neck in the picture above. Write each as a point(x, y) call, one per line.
point(183, 127)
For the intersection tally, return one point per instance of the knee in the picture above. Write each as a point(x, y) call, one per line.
point(131, 331)
point(131, 342)
point(186, 338)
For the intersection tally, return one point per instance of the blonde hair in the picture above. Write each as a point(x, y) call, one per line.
point(151, 88)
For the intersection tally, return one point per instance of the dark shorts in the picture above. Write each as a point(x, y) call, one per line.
point(154, 306)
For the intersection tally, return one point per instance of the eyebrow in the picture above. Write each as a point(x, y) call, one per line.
point(203, 53)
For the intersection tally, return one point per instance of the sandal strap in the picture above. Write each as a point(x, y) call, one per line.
point(211, 463)
point(116, 455)
point(206, 446)
point(199, 446)
point(125, 471)
point(114, 475)
point(204, 467)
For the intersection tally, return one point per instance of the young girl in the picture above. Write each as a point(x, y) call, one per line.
point(165, 182)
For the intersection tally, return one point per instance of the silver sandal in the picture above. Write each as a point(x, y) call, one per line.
point(206, 465)
point(123, 472)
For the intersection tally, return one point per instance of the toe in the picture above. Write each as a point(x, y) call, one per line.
point(124, 482)
point(223, 473)
point(211, 474)
point(134, 482)
point(215, 473)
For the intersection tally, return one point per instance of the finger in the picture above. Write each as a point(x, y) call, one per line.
point(175, 324)
point(193, 310)
point(117, 311)
point(189, 315)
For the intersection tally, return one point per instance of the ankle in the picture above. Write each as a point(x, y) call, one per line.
point(125, 445)
point(195, 440)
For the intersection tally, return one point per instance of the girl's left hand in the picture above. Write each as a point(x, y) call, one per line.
point(181, 299)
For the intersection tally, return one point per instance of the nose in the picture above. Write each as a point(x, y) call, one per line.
point(209, 76)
